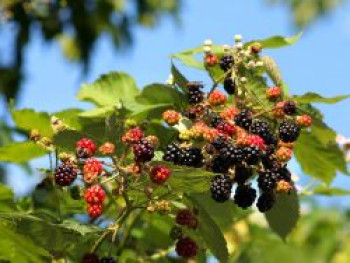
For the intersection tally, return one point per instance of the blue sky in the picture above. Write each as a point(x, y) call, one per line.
point(319, 62)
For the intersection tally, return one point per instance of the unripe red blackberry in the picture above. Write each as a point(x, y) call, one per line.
point(273, 93)
point(226, 128)
point(290, 107)
point(217, 98)
point(65, 174)
point(93, 166)
point(85, 148)
point(288, 131)
point(304, 120)
point(186, 217)
point(107, 148)
point(94, 210)
point(94, 195)
point(244, 196)
point(229, 113)
point(176, 233)
point(133, 135)
point(171, 117)
point(90, 258)
point(266, 201)
point(226, 62)
point(220, 188)
point(256, 48)
point(143, 151)
point(244, 119)
point(159, 174)
point(229, 85)
point(186, 247)
point(284, 187)
point(211, 60)
point(283, 154)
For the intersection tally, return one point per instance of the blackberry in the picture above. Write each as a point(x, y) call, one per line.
point(261, 128)
point(290, 107)
point(284, 174)
point(90, 258)
point(215, 121)
point(195, 95)
point(244, 119)
point(244, 196)
point(191, 114)
point(186, 247)
point(209, 149)
point(192, 157)
point(186, 217)
point(65, 174)
point(252, 154)
point(143, 151)
point(289, 131)
point(220, 188)
point(265, 202)
point(270, 140)
point(219, 143)
point(242, 174)
point(220, 165)
point(229, 86)
point(172, 152)
point(267, 180)
point(107, 260)
point(226, 62)
point(233, 154)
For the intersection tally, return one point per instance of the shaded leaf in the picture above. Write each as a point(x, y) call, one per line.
point(179, 79)
point(18, 152)
point(317, 160)
point(330, 191)
point(284, 215)
point(6, 199)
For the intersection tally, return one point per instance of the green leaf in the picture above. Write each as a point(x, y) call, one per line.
point(317, 160)
point(28, 119)
point(6, 199)
point(210, 232)
point(19, 152)
point(312, 97)
point(67, 139)
point(70, 117)
point(19, 248)
point(330, 191)
point(97, 112)
point(160, 94)
point(189, 61)
point(277, 41)
point(322, 132)
point(179, 79)
point(109, 90)
point(284, 215)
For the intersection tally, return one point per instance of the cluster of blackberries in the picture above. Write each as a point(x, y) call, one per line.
point(187, 156)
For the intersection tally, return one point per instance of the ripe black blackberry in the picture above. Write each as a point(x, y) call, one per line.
point(266, 201)
point(284, 174)
point(90, 258)
point(270, 162)
point(244, 196)
point(226, 62)
point(190, 114)
point(215, 121)
point(261, 128)
point(220, 188)
point(219, 143)
point(195, 95)
point(65, 174)
point(107, 260)
point(290, 107)
point(143, 151)
point(288, 131)
point(172, 152)
point(252, 155)
point(229, 85)
point(267, 180)
point(191, 156)
point(270, 140)
point(233, 154)
point(244, 119)
point(220, 165)
point(242, 174)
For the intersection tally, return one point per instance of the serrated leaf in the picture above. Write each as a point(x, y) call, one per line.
point(28, 119)
point(330, 191)
point(109, 90)
point(317, 160)
point(179, 79)
point(19, 152)
point(160, 94)
point(277, 41)
point(210, 232)
point(189, 60)
point(97, 112)
point(284, 215)
point(70, 117)
point(312, 97)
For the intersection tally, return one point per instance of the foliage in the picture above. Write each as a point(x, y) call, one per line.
point(136, 221)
